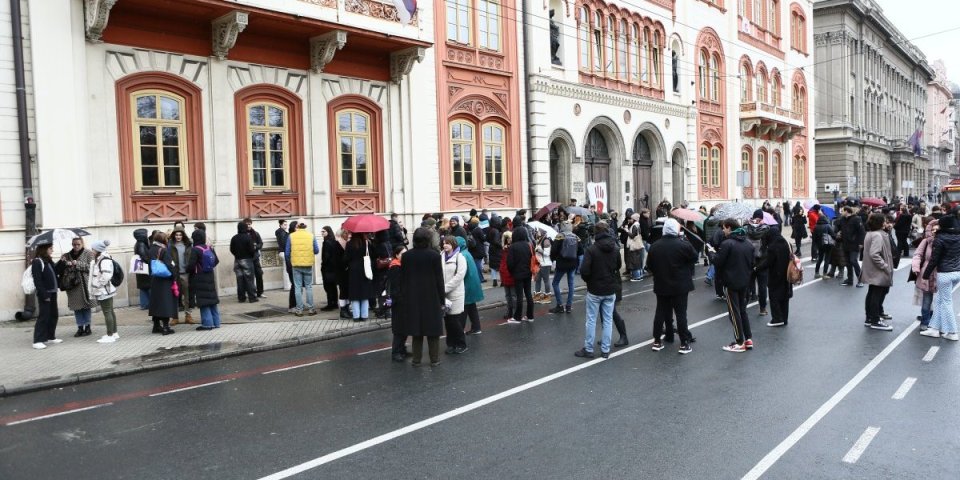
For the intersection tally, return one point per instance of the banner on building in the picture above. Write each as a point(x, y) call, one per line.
point(597, 195)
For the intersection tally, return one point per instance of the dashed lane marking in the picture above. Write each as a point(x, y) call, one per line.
point(42, 417)
point(862, 443)
point(930, 354)
point(188, 388)
point(294, 367)
point(904, 388)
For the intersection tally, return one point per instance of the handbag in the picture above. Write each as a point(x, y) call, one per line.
point(138, 267)
point(534, 264)
point(383, 263)
point(367, 269)
point(175, 288)
point(158, 268)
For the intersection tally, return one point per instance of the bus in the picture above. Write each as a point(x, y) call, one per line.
point(950, 193)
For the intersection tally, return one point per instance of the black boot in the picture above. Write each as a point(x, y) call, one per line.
point(156, 326)
point(79, 332)
point(166, 327)
point(86, 329)
point(622, 342)
point(345, 313)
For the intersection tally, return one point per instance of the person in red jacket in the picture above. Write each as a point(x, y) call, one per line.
point(812, 216)
point(506, 280)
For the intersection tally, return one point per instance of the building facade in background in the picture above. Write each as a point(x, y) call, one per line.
point(940, 135)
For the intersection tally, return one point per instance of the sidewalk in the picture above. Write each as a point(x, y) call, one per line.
point(245, 328)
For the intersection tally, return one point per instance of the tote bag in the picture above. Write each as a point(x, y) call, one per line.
point(367, 267)
point(138, 267)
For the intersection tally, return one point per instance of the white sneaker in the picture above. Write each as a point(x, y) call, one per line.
point(116, 335)
point(55, 340)
point(39, 346)
point(107, 339)
point(931, 332)
point(513, 321)
point(951, 336)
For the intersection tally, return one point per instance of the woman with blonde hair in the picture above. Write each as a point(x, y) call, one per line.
point(73, 277)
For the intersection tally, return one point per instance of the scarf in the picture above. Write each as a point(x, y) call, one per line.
point(452, 254)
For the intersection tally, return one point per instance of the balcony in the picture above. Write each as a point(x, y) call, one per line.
point(762, 119)
point(946, 146)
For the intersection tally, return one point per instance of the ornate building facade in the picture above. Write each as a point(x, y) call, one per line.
point(871, 112)
point(940, 136)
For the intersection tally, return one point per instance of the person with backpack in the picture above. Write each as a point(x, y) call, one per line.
point(45, 285)
point(302, 249)
point(877, 271)
point(756, 234)
point(103, 287)
point(775, 262)
point(73, 273)
point(520, 262)
point(203, 281)
point(565, 255)
point(542, 280)
point(735, 260)
point(825, 236)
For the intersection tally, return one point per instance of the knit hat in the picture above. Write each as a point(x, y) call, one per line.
point(671, 227)
point(474, 220)
point(100, 246)
point(758, 214)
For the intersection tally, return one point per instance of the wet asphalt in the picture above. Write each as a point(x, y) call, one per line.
point(641, 414)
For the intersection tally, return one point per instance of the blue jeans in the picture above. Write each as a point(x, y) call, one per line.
point(359, 308)
point(926, 309)
point(636, 274)
point(144, 299)
point(479, 263)
point(604, 305)
point(710, 271)
point(210, 316)
point(556, 285)
point(83, 316)
point(303, 280)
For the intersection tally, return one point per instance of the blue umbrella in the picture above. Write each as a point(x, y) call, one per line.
point(831, 214)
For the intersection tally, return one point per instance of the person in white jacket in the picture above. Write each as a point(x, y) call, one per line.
point(454, 271)
point(101, 290)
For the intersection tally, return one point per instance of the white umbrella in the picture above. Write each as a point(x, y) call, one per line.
point(551, 233)
point(808, 204)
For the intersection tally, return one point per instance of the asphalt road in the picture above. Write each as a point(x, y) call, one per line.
point(812, 400)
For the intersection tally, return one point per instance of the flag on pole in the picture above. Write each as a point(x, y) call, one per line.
point(914, 142)
point(405, 10)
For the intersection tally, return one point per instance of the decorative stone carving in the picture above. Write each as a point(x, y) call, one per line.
point(401, 62)
point(453, 91)
point(479, 108)
point(376, 9)
point(226, 29)
point(322, 3)
point(96, 13)
point(322, 48)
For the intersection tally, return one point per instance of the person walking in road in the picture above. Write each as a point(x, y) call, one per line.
point(455, 269)
point(163, 301)
point(506, 280)
point(101, 290)
point(945, 259)
point(244, 252)
point(852, 233)
point(518, 262)
point(635, 248)
point(73, 273)
point(494, 249)
point(774, 263)
point(45, 281)
point(826, 237)
point(877, 270)
point(671, 260)
point(472, 290)
point(203, 264)
point(813, 216)
point(756, 234)
point(566, 252)
point(360, 287)
point(735, 261)
point(601, 271)
point(331, 262)
point(902, 227)
point(798, 223)
point(302, 249)
point(419, 310)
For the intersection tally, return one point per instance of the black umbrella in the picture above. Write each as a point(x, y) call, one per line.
point(56, 236)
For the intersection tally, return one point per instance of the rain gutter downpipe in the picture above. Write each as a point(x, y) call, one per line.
point(531, 190)
point(23, 133)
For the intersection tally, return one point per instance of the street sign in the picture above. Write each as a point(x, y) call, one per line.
point(830, 187)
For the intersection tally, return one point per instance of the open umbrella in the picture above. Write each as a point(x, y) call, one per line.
point(808, 204)
point(550, 231)
point(366, 223)
point(872, 201)
point(56, 236)
point(583, 212)
point(687, 215)
point(828, 211)
point(735, 210)
point(769, 220)
point(545, 210)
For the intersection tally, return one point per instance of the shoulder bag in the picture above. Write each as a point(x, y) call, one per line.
point(367, 268)
point(158, 268)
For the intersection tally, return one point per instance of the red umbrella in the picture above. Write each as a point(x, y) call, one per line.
point(543, 212)
point(687, 215)
point(872, 201)
point(366, 223)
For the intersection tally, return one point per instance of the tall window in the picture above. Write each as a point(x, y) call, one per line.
point(715, 167)
point(773, 16)
point(762, 169)
point(705, 166)
point(757, 14)
point(744, 83)
point(353, 138)
point(762, 87)
point(488, 24)
point(715, 78)
point(635, 54)
point(158, 140)
point(775, 170)
point(622, 50)
point(645, 57)
point(703, 73)
point(745, 161)
point(463, 145)
point(458, 21)
point(655, 59)
point(775, 91)
point(493, 156)
point(799, 166)
point(610, 58)
point(268, 153)
point(584, 34)
point(798, 29)
point(597, 43)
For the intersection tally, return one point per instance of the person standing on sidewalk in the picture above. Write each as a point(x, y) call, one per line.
point(244, 252)
point(566, 252)
point(45, 281)
point(852, 233)
point(331, 262)
point(360, 288)
point(101, 290)
point(672, 261)
point(601, 271)
point(258, 245)
point(421, 297)
point(141, 249)
point(735, 260)
point(73, 274)
point(282, 233)
point(877, 270)
point(774, 263)
point(302, 249)
point(945, 259)
point(181, 247)
point(454, 271)
point(203, 282)
point(163, 302)
point(472, 290)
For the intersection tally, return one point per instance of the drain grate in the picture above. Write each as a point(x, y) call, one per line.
point(269, 313)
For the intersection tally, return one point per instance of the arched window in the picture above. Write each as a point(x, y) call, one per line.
point(645, 57)
point(762, 171)
point(463, 145)
point(775, 91)
point(610, 58)
point(744, 83)
point(353, 138)
point(703, 73)
point(622, 50)
point(705, 166)
point(493, 156)
point(757, 13)
point(158, 140)
point(775, 172)
point(762, 86)
point(715, 167)
point(773, 17)
point(458, 21)
point(655, 57)
point(746, 165)
point(715, 79)
point(488, 24)
point(597, 43)
point(635, 54)
point(795, 99)
point(584, 33)
point(268, 155)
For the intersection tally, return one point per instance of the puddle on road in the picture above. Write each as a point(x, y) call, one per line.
point(182, 351)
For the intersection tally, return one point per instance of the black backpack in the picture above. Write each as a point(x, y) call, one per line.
point(117, 279)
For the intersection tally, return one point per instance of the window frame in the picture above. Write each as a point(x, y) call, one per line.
point(502, 144)
point(597, 48)
point(159, 123)
point(485, 14)
point(367, 136)
point(456, 6)
point(610, 48)
point(266, 129)
point(586, 49)
point(472, 142)
point(622, 56)
point(761, 170)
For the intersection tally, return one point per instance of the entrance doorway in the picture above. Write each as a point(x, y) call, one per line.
point(597, 158)
point(642, 174)
point(560, 160)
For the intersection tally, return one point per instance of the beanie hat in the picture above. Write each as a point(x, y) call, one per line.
point(671, 227)
point(758, 214)
point(474, 220)
point(100, 246)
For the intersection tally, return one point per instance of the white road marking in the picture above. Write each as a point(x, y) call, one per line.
point(766, 462)
point(43, 417)
point(374, 351)
point(930, 354)
point(318, 362)
point(862, 443)
point(386, 437)
point(188, 388)
point(904, 388)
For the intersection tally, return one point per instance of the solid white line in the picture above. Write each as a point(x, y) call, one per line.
point(930, 354)
point(904, 388)
point(374, 351)
point(766, 462)
point(18, 422)
point(295, 366)
point(862, 443)
point(386, 437)
point(188, 388)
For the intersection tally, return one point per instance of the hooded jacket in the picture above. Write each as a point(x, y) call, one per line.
point(946, 250)
point(922, 258)
point(735, 260)
point(823, 228)
point(241, 245)
point(472, 290)
point(565, 264)
point(519, 254)
point(203, 285)
point(142, 249)
point(601, 265)
point(671, 260)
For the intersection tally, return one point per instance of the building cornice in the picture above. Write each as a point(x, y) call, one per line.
point(559, 88)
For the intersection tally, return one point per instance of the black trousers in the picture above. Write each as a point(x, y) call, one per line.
point(853, 265)
point(292, 300)
point(669, 306)
point(873, 304)
point(797, 241)
point(454, 325)
point(45, 327)
point(814, 248)
point(903, 244)
point(759, 287)
point(737, 307)
point(523, 291)
point(779, 307)
point(474, 315)
point(823, 257)
point(718, 283)
point(258, 274)
point(618, 322)
point(330, 288)
point(433, 345)
point(399, 344)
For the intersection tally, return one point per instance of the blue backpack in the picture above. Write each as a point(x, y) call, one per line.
point(208, 260)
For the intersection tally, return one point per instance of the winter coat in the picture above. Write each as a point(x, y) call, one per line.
point(479, 238)
point(241, 245)
point(633, 257)
point(921, 259)
point(101, 272)
point(946, 253)
point(79, 296)
point(542, 252)
point(282, 235)
point(142, 249)
point(838, 256)
point(903, 224)
point(455, 269)
point(775, 263)
point(495, 239)
point(671, 260)
point(564, 264)
point(418, 305)
point(877, 268)
point(301, 249)
point(203, 285)
point(380, 248)
point(799, 225)
point(823, 228)
point(473, 291)
point(187, 256)
point(395, 234)
point(601, 265)
point(852, 233)
point(44, 278)
point(358, 286)
point(505, 278)
point(735, 260)
point(756, 232)
point(162, 302)
point(331, 259)
point(519, 254)
point(812, 218)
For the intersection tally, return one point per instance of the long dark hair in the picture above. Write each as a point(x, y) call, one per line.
point(358, 239)
point(330, 236)
point(45, 251)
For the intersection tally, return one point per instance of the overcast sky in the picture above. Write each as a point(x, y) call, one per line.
point(924, 18)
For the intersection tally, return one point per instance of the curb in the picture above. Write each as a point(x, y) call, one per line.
point(84, 377)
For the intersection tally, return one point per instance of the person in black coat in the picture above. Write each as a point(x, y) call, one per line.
point(775, 263)
point(902, 227)
point(518, 264)
point(163, 304)
point(331, 262)
point(477, 250)
point(798, 223)
point(360, 288)
point(204, 284)
point(672, 261)
point(853, 234)
point(735, 261)
point(380, 249)
point(142, 249)
point(257, 266)
point(244, 254)
point(420, 310)
point(495, 249)
point(343, 276)
point(45, 281)
point(397, 234)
